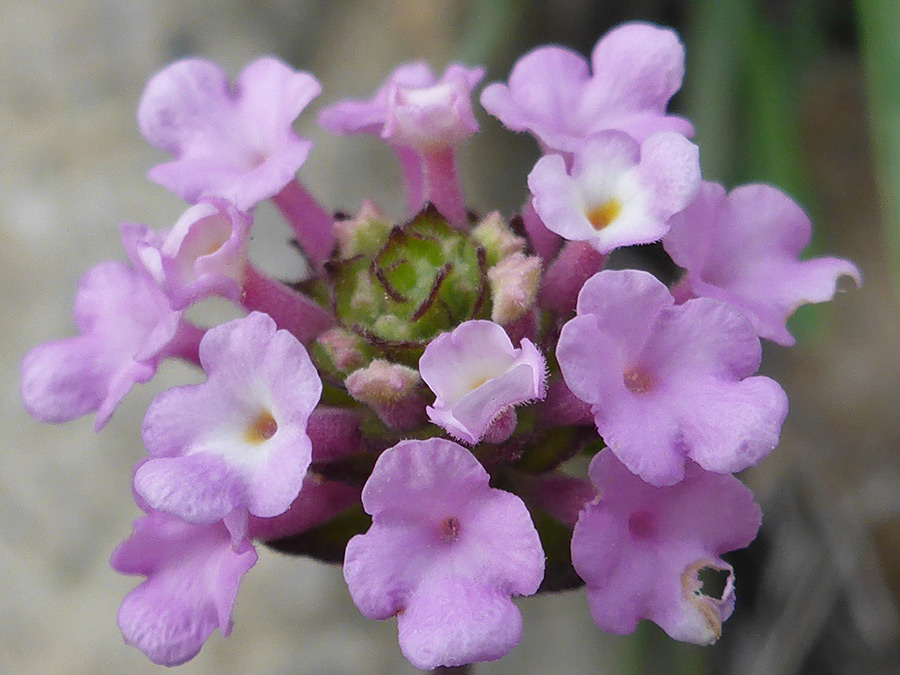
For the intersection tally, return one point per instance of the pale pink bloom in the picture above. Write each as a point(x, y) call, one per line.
point(553, 94)
point(669, 383)
point(126, 328)
point(234, 142)
point(203, 254)
point(445, 553)
point(616, 192)
point(235, 445)
point(477, 374)
point(193, 573)
point(643, 551)
point(744, 249)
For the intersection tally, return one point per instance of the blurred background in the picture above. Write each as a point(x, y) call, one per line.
point(804, 94)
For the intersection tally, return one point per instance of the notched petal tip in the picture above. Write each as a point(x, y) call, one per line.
point(707, 589)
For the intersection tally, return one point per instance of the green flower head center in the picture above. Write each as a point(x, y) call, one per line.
point(425, 279)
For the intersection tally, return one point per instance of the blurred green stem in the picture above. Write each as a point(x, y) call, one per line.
point(745, 77)
point(774, 152)
point(879, 23)
point(715, 47)
point(491, 27)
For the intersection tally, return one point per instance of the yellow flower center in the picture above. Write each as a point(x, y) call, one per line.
point(477, 382)
point(261, 429)
point(603, 215)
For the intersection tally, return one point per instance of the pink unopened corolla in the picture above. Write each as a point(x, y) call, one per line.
point(552, 94)
point(645, 551)
point(193, 573)
point(667, 383)
point(577, 262)
point(392, 390)
point(126, 328)
point(445, 553)
point(477, 374)
point(237, 443)
point(432, 117)
point(617, 193)
point(744, 249)
point(412, 108)
point(423, 118)
point(369, 117)
point(202, 255)
point(231, 142)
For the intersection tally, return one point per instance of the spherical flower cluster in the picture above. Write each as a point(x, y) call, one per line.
point(410, 408)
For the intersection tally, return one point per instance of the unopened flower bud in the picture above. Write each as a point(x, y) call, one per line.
point(562, 496)
point(514, 286)
point(497, 238)
point(426, 278)
point(392, 390)
point(345, 350)
point(363, 235)
point(501, 427)
point(577, 262)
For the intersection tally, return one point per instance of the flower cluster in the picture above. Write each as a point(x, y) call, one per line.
point(411, 407)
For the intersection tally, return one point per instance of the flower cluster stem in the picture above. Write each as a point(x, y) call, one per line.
point(311, 223)
point(442, 184)
point(186, 343)
point(291, 310)
point(411, 166)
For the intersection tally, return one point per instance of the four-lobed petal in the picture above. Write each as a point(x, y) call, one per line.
point(193, 573)
point(669, 383)
point(637, 68)
point(236, 443)
point(616, 193)
point(126, 328)
point(445, 553)
point(641, 550)
point(744, 249)
point(235, 143)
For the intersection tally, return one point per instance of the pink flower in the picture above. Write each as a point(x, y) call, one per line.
point(202, 255)
point(744, 248)
point(444, 554)
point(412, 109)
point(193, 573)
point(423, 119)
point(477, 374)
point(126, 328)
point(640, 549)
point(236, 444)
point(617, 193)
point(435, 116)
point(231, 142)
point(368, 117)
point(667, 383)
point(637, 68)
